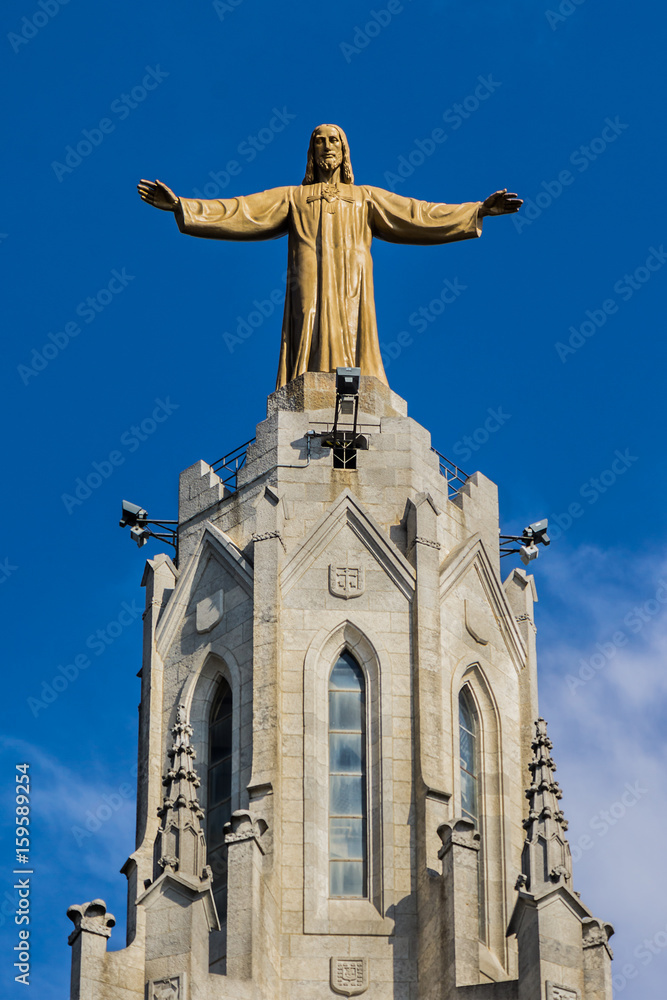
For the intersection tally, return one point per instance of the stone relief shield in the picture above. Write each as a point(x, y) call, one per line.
point(556, 992)
point(349, 976)
point(346, 581)
point(169, 988)
point(209, 611)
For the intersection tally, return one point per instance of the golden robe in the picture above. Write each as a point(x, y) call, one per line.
point(329, 318)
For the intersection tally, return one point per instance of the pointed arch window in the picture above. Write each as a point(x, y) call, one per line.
point(469, 758)
point(219, 791)
point(348, 840)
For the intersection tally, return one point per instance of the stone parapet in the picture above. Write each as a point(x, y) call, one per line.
point(317, 391)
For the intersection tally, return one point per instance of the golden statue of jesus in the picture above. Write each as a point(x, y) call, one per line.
point(329, 318)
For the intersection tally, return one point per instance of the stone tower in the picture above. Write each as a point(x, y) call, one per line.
point(344, 786)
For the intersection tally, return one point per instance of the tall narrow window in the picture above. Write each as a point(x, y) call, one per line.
point(219, 792)
point(470, 795)
point(469, 753)
point(347, 780)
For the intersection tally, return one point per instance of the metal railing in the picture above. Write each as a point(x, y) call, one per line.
point(229, 466)
point(455, 477)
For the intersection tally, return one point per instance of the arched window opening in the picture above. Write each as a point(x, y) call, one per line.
point(347, 780)
point(469, 757)
point(219, 808)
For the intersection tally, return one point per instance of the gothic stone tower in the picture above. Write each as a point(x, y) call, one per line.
point(338, 725)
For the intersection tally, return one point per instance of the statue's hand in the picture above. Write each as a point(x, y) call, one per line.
point(501, 203)
point(158, 195)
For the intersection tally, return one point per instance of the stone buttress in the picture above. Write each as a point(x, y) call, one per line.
point(291, 567)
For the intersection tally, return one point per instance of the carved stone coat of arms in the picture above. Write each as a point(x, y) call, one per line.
point(346, 581)
point(349, 976)
point(555, 992)
point(169, 988)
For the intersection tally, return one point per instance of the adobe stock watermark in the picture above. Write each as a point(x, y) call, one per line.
point(565, 10)
point(88, 310)
point(420, 320)
point(261, 310)
point(470, 443)
point(131, 439)
point(31, 26)
point(109, 804)
point(224, 7)
point(378, 20)
point(581, 158)
point(97, 642)
point(625, 287)
point(454, 117)
point(121, 107)
point(7, 569)
point(591, 491)
point(635, 620)
point(249, 148)
point(606, 819)
point(644, 953)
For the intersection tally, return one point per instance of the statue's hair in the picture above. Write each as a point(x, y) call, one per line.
point(346, 175)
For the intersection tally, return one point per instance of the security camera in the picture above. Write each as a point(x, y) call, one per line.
point(132, 514)
point(538, 531)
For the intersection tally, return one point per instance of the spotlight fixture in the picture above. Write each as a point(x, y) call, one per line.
point(527, 552)
point(347, 381)
point(140, 535)
point(345, 443)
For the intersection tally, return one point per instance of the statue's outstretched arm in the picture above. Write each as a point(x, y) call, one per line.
point(261, 216)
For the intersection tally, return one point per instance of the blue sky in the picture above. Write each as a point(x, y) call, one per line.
point(556, 324)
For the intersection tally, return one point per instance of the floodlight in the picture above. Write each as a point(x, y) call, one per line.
point(132, 514)
point(347, 381)
point(528, 553)
point(140, 535)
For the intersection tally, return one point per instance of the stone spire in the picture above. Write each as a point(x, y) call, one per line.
point(546, 860)
point(180, 845)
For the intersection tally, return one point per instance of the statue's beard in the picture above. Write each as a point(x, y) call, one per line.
point(328, 163)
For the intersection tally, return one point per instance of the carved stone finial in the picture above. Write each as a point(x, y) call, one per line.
point(180, 844)
point(92, 918)
point(546, 848)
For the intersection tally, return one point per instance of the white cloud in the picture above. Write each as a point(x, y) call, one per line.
point(82, 832)
point(603, 620)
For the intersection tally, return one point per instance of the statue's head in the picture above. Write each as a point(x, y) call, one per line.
point(328, 144)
